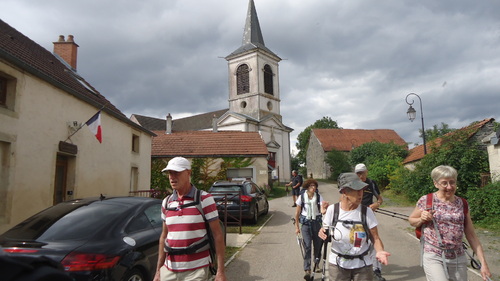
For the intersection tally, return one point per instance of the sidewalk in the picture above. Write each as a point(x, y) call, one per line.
point(237, 240)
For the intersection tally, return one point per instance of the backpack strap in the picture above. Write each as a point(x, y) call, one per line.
point(365, 224)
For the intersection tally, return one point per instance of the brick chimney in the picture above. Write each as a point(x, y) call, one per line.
point(67, 50)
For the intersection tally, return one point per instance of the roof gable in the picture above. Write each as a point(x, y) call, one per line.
point(347, 139)
point(208, 143)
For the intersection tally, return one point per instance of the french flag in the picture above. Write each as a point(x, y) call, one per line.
point(94, 125)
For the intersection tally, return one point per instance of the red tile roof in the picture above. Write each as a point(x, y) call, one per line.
point(346, 139)
point(417, 152)
point(208, 143)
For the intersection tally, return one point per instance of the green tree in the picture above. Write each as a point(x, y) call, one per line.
point(436, 131)
point(303, 138)
point(338, 162)
point(369, 153)
point(459, 151)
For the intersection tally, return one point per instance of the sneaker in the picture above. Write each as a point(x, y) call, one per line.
point(378, 275)
point(294, 205)
point(307, 275)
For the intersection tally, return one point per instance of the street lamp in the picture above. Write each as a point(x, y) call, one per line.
point(412, 113)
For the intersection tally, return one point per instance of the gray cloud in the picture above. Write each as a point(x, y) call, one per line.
point(354, 61)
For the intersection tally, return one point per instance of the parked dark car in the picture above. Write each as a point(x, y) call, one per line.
point(253, 200)
point(102, 238)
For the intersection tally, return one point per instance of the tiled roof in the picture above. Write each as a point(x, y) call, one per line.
point(346, 139)
point(208, 143)
point(196, 122)
point(417, 152)
point(26, 54)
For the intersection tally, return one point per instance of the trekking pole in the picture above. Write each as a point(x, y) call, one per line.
point(473, 262)
point(300, 241)
point(325, 251)
point(392, 214)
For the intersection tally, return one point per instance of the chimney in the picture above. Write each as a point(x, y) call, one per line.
point(169, 124)
point(214, 124)
point(67, 50)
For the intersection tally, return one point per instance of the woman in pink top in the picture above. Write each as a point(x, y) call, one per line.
point(444, 226)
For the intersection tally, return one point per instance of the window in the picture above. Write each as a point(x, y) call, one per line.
point(268, 80)
point(135, 143)
point(3, 91)
point(134, 178)
point(7, 91)
point(242, 80)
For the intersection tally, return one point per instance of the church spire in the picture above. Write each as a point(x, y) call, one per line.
point(252, 35)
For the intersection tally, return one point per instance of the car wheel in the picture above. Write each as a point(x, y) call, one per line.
point(134, 275)
point(255, 215)
point(266, 210)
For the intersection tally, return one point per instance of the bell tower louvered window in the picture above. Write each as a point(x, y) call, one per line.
point(268, 80)
point(242, 79)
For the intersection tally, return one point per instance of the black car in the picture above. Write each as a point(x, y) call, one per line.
point(253, 200)
point(95, 238)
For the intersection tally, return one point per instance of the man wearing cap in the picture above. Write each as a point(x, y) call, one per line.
point(354, 235)
point(184, 226)
point(369, 192)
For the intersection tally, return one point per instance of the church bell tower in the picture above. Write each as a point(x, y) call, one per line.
point(253, 74)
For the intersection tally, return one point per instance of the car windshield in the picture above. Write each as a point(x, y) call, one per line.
point(226, 188)
point(66, 222)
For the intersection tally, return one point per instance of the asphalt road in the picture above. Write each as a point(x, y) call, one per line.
point(275, 255)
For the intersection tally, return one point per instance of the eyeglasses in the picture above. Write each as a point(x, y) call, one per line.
point(447, 183)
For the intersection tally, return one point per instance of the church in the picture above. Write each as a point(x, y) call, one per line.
point(254, 101)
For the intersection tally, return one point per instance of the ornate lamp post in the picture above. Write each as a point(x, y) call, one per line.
point(412, 113)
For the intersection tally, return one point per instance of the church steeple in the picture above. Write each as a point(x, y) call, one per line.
point(252, 35)
point(253, 74)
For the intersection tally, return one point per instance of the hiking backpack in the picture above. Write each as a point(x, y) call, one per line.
point(206, 243)
point(335, 220)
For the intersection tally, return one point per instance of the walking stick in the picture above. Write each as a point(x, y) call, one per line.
point(300, 241)
point(325, 250)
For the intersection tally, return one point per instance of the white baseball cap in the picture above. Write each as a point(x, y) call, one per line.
point(360, 168)
point(177, 164)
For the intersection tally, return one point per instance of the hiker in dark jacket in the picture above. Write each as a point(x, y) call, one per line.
point(310, 207)
point(447, 211)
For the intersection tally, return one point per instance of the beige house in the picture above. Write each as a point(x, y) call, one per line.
point(323, 141)
point(493, 145)
point(216, 145)
point(45, 159)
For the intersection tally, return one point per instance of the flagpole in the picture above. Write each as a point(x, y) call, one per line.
point(83, 124)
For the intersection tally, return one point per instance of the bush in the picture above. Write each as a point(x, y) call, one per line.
point(484, 202)
point(381, 170)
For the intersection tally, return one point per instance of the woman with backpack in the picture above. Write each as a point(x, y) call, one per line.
point(354, 234)
point(309, 210)
point(445, 220)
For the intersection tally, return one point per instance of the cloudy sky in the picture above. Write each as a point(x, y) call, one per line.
point(353, 61)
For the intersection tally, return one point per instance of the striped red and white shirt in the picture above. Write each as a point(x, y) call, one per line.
point(185, 227)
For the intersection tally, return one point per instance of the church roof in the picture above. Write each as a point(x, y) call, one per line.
point(347, 139)
point(252, 35)
point(208, 143)
point(192, 123)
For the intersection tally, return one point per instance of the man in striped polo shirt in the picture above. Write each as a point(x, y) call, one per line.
point(184, 226)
